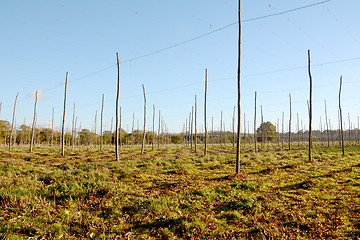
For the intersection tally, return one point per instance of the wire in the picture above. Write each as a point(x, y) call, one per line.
point(206, 34)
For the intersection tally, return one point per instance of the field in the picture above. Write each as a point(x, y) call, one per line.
point(175, 193)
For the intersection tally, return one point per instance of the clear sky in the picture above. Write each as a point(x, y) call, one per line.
point(42, 40)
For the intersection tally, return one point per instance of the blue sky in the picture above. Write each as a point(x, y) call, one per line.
point(42, 40)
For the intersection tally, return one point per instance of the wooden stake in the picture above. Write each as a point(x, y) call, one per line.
point(33, 125)
point(63, 120)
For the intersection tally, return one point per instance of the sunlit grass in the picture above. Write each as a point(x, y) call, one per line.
point(176, 193)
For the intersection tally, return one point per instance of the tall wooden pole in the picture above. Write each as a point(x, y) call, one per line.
point(239, 94)
point(262, 128)
point(153, 139)
point(159, 129)
point(195, 124)
point(73, 130)
point(63, 120)
point(52, 128)
point(120, 139)
point(282, 131)
point(310, 109)
point(144, 132)
point(117, 110)
point(33, 125)
point(192, 125)
point(233, 128)
point(341, 123)
point(255, 137)
point(205, 149)
point(13, 120)
point(101, 124)
point(221, 125)
point(290, 124)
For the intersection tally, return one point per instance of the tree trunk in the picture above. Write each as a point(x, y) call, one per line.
point(117, 111)
point(33, 125)
point(63, 120)
point(144, 132)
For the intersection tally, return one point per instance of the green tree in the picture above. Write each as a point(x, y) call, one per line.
point(270, 133)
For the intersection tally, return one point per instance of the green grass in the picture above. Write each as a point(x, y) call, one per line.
point(175, 193)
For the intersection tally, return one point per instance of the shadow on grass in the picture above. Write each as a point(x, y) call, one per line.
point(308, 184)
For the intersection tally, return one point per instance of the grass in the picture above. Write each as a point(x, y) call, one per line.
point(175, 193)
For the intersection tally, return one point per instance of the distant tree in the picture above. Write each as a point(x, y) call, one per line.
point(175, 139)
point(269, 130)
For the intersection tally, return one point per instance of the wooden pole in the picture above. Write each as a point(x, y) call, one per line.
point(282, 131)
point(233, 128)
point(327, 126)
point(159, 129)
point(132, 130)
point(195, 124)
point(52, 128)
point(192, 123)
point(117, 110)
point(298, 130)
point(290, 123)
point(239, 94)
point(244, 131)
point(341, 123)
point(144, 132)
point(310, 109)
point(33, 125)
point(13, 120)
point(120, 130)
point(262, 129)
point(63, 120)
point(205, 148)
point(221, 124)
point(101, 124)
point(255, 137)
point(153, 140)
point(73, 129)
